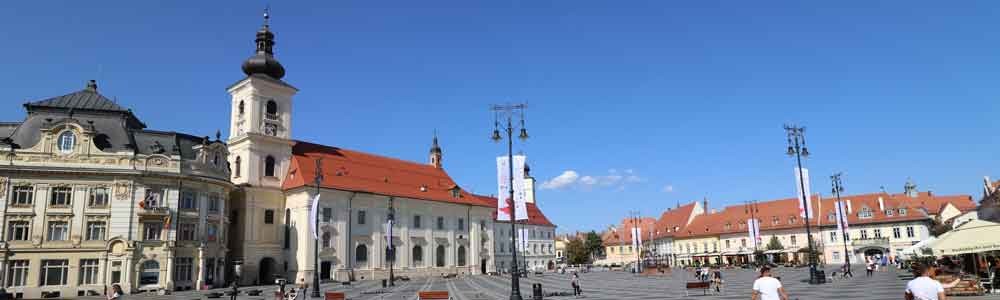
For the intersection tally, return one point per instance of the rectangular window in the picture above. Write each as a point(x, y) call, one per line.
point(58, 230)
point(896, 233)
point(96, 230)
point(23, 195)
point(98, 197)
point(888, 212)
point(183, 267)
point(88, 271)
point(743, 243)
point(416, 222)
point(909, 232)
point(461, 224)
point(902, 211)
point(212, 232)
point(864, 234)
point(17, 273)
point(189, 200)
point(61, 196)
point(19, 230)
point(327, 214)
point(186, 231)
point(151, 231)
point(268, 216)
point(793, 240)
point(54, 272)
point(833, 236)
point(836, 256)
point(727, 244)
point(878, 233)
point(775, 220)
point(847, 236)
point(214, 203)
point(361, 217)
point(440, 223)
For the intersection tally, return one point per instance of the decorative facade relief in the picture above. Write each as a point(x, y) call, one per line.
point(122, 190)
point(3, 186)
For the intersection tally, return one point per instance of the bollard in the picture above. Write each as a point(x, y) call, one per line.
point(536, 291)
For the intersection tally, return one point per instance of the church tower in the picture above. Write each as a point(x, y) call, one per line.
point(435, 156)
point(260, 131)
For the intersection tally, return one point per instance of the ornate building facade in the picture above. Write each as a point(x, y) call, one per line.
point(91, 197)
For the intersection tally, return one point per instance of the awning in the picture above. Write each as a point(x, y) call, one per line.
point(745, 252)
point(918, 248)
point(972, 237)
point(773, 251)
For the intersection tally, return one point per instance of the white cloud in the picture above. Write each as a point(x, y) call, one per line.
point(567, 178)
point(613, 179)
point(668, 189)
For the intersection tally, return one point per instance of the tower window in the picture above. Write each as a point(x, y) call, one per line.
point(269, 166)
point(236, 169)
point(241, 108)
point(271, 110)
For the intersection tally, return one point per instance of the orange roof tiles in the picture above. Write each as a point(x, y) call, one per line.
point(673, 221)
point(362, 172)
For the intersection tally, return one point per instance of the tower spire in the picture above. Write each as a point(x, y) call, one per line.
point(263, 61)
point(435, 159)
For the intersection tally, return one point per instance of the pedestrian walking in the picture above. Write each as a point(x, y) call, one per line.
point(575, 283)
point(767, 287)
point(116, 293)
point(869, 268)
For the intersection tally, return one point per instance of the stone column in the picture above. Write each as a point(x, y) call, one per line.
point(199, 261)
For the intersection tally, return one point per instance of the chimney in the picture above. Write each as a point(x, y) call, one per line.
point(92, 85)
point(706, 204)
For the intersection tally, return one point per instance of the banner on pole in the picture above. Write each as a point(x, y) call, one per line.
point(503, 190)
point(520, 193)
point(842, 220)
point(313, 216)
point(800, 182)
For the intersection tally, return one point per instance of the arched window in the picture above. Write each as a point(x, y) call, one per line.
point(461, 256)
point(418, 256)
point(66, 142)
point(241, 108)
point(149, 273)
point(269, 166)
point(271, 110)
point(326, 240)
point(361, 255)
point(440, 256)
point(238, 167)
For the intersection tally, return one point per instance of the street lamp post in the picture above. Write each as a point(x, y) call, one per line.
point(319, 180)
point(797, 148)
point(507, 111)
point(391, 251)
point(838, 187)
point(751, 208)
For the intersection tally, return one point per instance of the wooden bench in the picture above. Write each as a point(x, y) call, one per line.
point(702, 285)
point(335, 296)
point(433, 295)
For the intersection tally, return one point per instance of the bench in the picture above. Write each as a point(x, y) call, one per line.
point(702, 285)
point(433, 295)
point(335, 296)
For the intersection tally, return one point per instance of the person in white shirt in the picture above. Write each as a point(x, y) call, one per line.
point(767, 287)
point(924, 287)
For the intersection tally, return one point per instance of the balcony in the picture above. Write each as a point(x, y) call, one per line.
point(872, 242)
point(154, 211)
point(271, 117)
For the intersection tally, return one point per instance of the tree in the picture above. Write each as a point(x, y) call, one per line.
point(774, 244)
point(594, 245)
point(576, 252)
point(938, 228)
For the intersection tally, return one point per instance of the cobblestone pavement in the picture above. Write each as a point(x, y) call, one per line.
point(608, 285)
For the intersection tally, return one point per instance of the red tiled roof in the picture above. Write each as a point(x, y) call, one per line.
point(623, 235)
point(535, 215)
point(363, 172)
point(673, 221)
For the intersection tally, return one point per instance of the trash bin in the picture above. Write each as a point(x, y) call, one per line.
point(536, 291)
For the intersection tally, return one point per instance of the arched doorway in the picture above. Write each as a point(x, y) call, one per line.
point(265, 272)
point(461, 256)
point(440, 256)
point(149, 273)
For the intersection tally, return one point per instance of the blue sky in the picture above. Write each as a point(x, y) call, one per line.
point(650, 103)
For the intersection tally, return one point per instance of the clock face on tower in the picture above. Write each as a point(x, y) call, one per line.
point(271, 129)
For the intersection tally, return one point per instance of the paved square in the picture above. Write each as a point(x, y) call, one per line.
point(612, 285)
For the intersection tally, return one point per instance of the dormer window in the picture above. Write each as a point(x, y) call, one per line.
point(865, 212)
point(791, 220)
point(902, 211)
point(455, 192)
point(888, 212)
point(66, 142)
point(831, 217)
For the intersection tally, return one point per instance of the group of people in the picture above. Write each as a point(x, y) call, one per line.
point(874, 263)
point(713, 275)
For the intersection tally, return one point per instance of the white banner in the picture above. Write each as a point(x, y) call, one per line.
point(636, 237)
point(314, 217)
point(520, 205)
point(756, 231)
point(503, 190)
point(842, 220)
point(798, 188)
point(751, 234)
point(522, 236)
point(388, 232)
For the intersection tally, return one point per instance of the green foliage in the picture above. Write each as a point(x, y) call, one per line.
point(594, 244)
point(774, 244)
point(576, 252)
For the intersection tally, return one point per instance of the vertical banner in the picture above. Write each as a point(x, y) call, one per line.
point(750, 233)
point(503, 190)
point(522, 236)
point(313, 215)
point(842, 220)
point(636, 237)
point(801, 182)
point(756, 231)
point(388, 233)
point(520, 205)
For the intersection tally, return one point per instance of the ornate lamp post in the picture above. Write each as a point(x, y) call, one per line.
point(507, 111)
point(750, 207)
point(238, 272)
point(391, 251)
point(797, 148)
point(838, 187)
point(319, 180)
